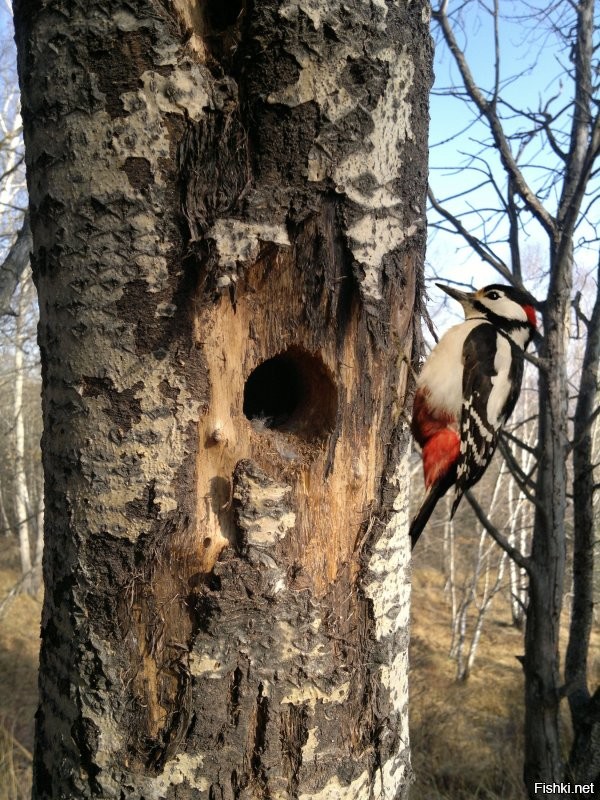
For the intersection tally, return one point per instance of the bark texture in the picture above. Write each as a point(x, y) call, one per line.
point(227, 207)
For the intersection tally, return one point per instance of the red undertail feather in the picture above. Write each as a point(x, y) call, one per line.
point(440, 453)
point(425, 422)
point(436, 432)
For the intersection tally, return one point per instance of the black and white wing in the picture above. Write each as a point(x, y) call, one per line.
point(492, 373)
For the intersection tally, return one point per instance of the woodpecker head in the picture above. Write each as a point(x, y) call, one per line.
point(507, 308)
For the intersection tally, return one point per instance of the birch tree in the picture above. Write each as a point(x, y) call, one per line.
point(227, 210)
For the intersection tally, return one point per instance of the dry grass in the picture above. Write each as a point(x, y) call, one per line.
point(19, 645)
point(466, 738)
point(15, 767)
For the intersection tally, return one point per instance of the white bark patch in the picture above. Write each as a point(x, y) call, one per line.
point(388, 779)
point(206, 665)
point(359, 789)
point(320, 82)
point(239, 242)
point(287, 637)
point(309, 750)
point(182, 767)
point(371, 237)
point(180, 92)
point(395, 679)
point(381, 161)
point(262, 517)
point(309, 693)
point(388, 587)
point(143, 133)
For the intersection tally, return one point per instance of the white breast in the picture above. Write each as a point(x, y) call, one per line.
point(442, 374)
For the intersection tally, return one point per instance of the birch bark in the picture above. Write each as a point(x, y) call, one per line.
point(227, 207)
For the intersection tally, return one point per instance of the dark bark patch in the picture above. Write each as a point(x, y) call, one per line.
point(213, 164)
point(50, 209)
point(42, 777)
point(235, 688)
point(145, 506)
point(220, 16)
point(367, 79)
point(260, 736)
point(165, 388)
point(124, 408)
point(138, 172)
point(293, 737)
point(119, 63)
point(137, 307)
point(281, 140)
point(221, 30)
point(86, 734)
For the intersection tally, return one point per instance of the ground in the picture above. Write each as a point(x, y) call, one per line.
point(19, 646)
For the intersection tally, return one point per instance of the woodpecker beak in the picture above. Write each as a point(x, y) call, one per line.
point(462, 297)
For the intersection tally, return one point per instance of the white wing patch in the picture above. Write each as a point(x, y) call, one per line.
point(496, 403)
point(477, 445)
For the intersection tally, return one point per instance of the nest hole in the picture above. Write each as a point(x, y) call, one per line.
point(222, 15)
point(292, 392)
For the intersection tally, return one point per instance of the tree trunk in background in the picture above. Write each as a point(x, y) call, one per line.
point(22, 504)
point(543, 761)
point(584, 758)
point(227, 206)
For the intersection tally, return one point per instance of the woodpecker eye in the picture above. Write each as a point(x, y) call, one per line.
point(493, 296)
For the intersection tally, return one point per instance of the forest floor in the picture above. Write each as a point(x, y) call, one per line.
point(19, 647)
point(466, 738)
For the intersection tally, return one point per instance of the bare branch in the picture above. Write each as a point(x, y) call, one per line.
point(519, 442)
point(585, 135)
point(522, 480)
point(521, 560)
point(473, 241)
point(488, 110)
point(14, 265)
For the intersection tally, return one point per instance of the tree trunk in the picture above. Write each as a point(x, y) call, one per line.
point(543, 757)
point(227, 206)
point(584, 758)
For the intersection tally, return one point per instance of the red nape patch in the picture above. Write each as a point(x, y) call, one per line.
point(439, 454)
point(530, 311)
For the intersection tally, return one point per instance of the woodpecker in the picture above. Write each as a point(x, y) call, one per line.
point(467, 390)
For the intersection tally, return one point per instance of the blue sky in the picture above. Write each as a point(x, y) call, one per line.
point(532, 70)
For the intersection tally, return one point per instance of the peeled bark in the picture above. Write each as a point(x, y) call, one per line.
point(227, 207)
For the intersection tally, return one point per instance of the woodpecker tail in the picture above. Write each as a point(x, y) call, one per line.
point(433, 494)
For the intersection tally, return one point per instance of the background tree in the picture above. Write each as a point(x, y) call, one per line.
point(537, 167)
point(227, 213)
point(20, 473)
